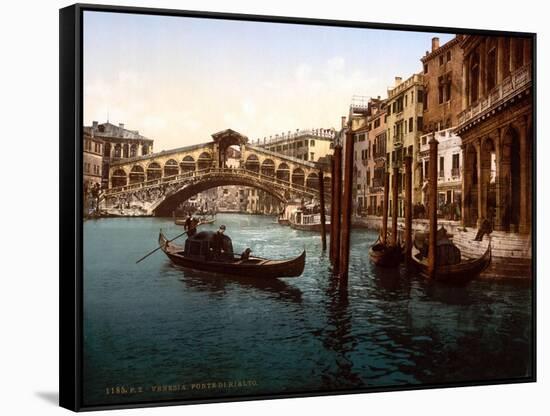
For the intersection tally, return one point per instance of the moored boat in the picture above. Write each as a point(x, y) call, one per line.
point(200, 220)
point(385, 255)
point(462, 271)
point(199, 254)
point(301, 220)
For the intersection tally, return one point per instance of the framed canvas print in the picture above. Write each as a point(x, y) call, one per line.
point(261, 207)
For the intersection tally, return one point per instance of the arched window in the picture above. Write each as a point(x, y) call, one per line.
point(133, 150)
point(283, 172)
point(187, 164)
point(171, 168)
point(154, 171)
point(312, 180)
point(268, 167)
point(119, 178)
point(205, 161)
point(298, 177)
point(252, 163)
point(137, 174)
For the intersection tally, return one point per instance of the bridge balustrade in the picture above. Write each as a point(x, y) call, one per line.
point(213, 171)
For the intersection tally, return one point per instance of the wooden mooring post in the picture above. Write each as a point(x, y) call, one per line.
point(385, 207)
point(336, 203)
point(347, 207)
point(408, 208)
point(394, 204)
point(332, 210)
point(432, 207)
point(322, 203)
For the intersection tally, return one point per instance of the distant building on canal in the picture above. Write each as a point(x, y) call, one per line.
point(442, 74)
point(119, 143)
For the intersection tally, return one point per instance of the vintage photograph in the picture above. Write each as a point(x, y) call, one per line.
point(281, 208)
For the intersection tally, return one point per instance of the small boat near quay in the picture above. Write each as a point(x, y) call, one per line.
point(302, 220)
point(199, 253)
point(386, 255)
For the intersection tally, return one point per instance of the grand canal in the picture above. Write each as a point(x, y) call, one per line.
point(154, 324)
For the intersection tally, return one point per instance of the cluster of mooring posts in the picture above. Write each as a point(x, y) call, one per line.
point(341, 207)
point(388, 250)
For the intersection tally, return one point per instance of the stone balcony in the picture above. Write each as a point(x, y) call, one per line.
point(513, 86)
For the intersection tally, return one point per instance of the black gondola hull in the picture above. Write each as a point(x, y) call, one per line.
point(255, 267)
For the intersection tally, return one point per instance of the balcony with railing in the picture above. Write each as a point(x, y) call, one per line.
point(517, 82)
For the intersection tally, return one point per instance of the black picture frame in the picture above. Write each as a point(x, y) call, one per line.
point(71, 217)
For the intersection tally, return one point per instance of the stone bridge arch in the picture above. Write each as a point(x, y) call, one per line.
point(183, 193)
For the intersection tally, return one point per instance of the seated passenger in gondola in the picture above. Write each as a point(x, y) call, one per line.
point(246, 254)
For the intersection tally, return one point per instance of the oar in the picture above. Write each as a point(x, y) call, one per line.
point(159, 247)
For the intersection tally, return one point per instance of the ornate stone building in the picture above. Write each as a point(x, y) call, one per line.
point(496, 127)
point(119, 143)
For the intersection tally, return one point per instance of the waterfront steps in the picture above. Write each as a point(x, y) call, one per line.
point(511, 252)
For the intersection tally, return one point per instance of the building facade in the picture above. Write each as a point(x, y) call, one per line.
point(119, 143)
point(92, 159)
point(496, 127)
point(310, 145)
point(368, 121)
point(449, 177)
point(442, 73)
point(404, 110)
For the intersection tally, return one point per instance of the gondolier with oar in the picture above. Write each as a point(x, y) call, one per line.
point(190, 225)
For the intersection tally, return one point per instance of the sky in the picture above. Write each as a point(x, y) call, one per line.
point(178, 80)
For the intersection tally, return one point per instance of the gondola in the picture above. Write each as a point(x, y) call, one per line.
point(385, 255)
point(202, 221)
point(197, 254)
point(460, 272)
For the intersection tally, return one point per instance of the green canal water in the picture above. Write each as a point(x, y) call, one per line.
point(153, 324)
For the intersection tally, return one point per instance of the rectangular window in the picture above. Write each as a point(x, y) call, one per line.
point(456, 161)
point(377, 123)
point(440, 89)
point(312, 156)
point(441, 165)
point(491, 69)
point(419, 121)
point(441, 60)
point(448, 88)
point(411, 124)
point(448, 56)
point(312, 143)
point(420, 96)
point(425, 68)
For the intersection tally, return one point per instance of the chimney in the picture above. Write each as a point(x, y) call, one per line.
point(94, 125)
point(398, 81)
point(435, 44)
point(343, 122)
point(121, 125)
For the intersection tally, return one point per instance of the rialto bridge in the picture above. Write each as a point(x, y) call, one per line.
point(156, 183)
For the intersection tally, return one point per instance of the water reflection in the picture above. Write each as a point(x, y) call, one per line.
point(337, 337)
point(220, 284)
